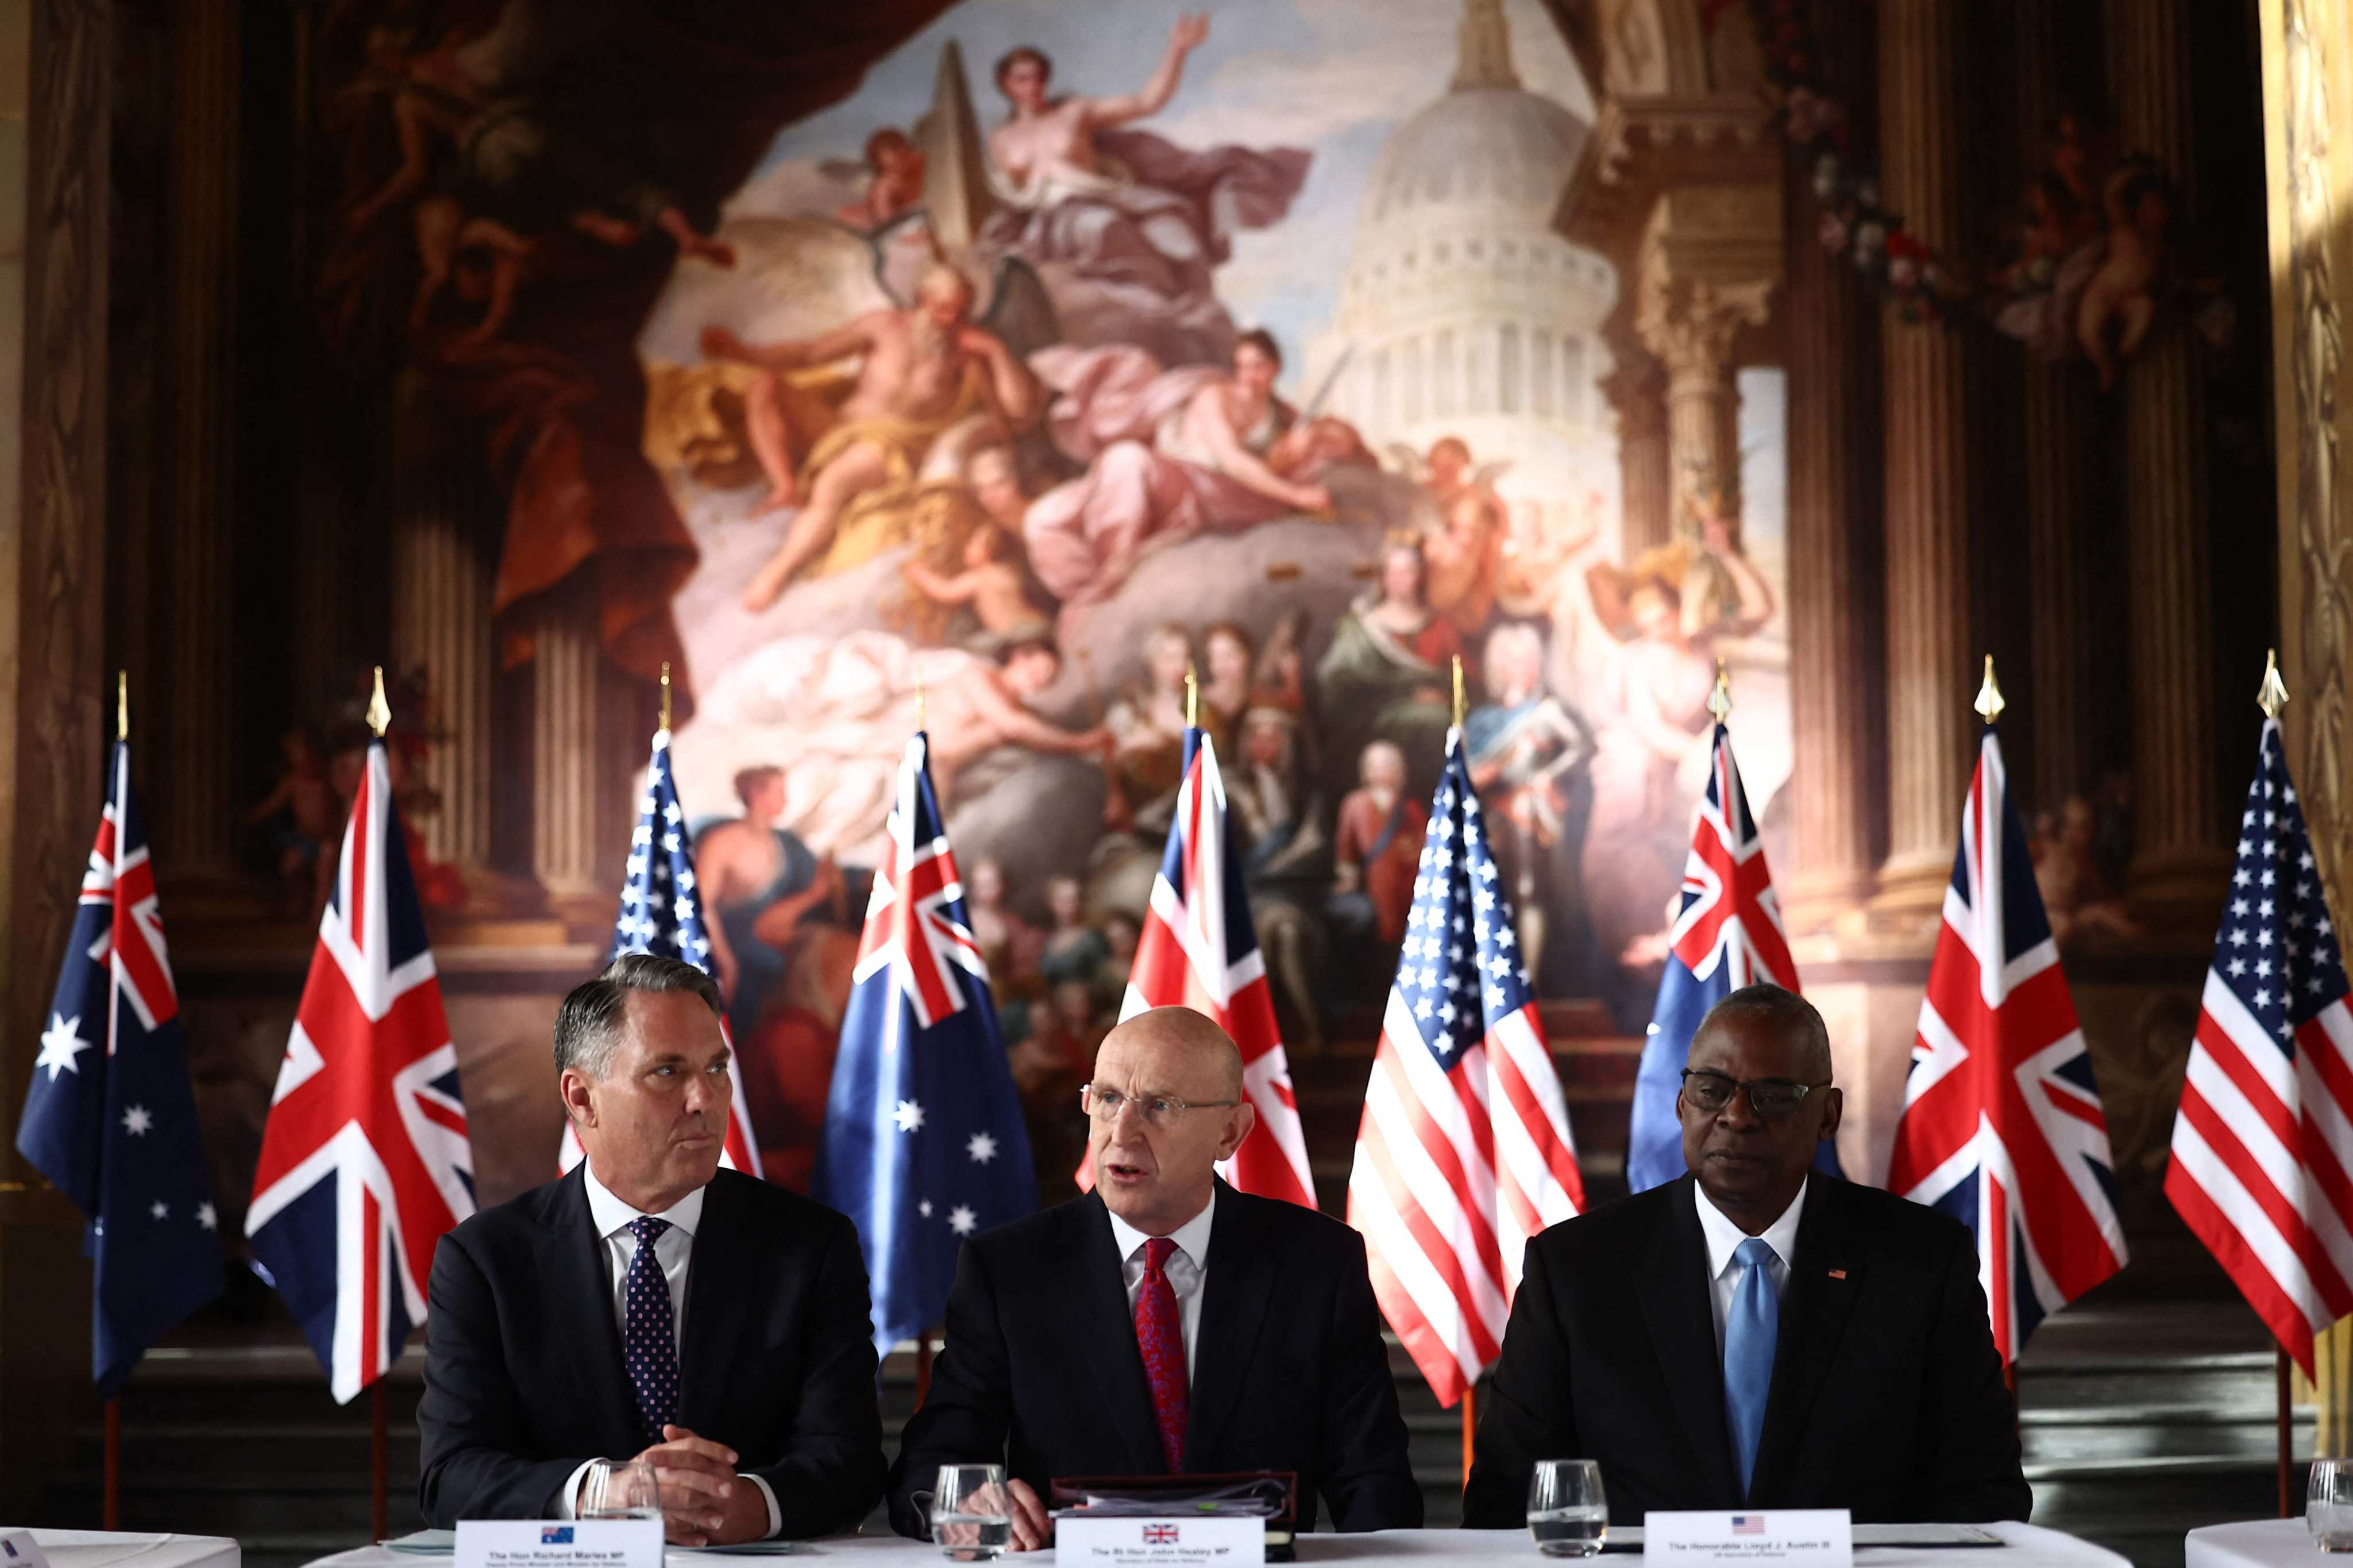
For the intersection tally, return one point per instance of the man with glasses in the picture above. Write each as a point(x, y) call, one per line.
point(1754, 1335)
point(1164, 1323)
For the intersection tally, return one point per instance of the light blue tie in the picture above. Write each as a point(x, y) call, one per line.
point(1749, 1332)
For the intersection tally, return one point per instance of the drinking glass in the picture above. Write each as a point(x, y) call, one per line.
point(1566, 1512)
point(2328, 1505)
point(619, 1489)
point(972, 1513)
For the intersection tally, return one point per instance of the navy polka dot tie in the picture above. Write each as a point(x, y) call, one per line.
point(649, 1335)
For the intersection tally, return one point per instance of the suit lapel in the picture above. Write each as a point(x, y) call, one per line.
point(572, 1261)
point(1823, 1280)
point(1104, 1330)
point(718, 1297)
point(1238, 1278)
point(1673, 1284)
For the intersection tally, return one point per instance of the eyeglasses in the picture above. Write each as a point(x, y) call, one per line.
point(1161, 1111)
point(1770, 1098)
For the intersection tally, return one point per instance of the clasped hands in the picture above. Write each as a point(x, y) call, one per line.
point(704, 1501)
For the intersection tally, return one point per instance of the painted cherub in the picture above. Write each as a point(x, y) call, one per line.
point(2120, 301)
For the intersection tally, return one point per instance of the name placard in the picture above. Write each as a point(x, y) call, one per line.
point(19, 1550)
point(559, 1543)
point(1130, 1542)
point(1797, 1537)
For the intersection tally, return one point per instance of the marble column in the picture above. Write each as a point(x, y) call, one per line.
point(195, 491)
point(2059, 414)
point(1834, 588)
point(441, 624)
point(1637, 389)
point(1930, 671)
point(1691, 325)
point(2179, 853)
point(565, 655)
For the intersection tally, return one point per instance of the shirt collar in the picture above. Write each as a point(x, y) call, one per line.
point(1192, 1238)
point(610, 1214)
point(1723, 1238)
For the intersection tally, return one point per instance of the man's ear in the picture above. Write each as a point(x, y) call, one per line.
point(1834, 1104)
point(1238, 1127)
point(579, 1098)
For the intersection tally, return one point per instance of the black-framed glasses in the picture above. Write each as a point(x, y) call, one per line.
point(1770, 1098)
point(1161, 1111)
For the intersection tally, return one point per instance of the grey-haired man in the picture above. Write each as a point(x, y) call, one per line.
point(651, 1305)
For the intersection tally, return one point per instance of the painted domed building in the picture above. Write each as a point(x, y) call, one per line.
point(1463, 312)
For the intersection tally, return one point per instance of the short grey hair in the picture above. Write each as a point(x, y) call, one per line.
point(589, 1023)
point(1788, 1010)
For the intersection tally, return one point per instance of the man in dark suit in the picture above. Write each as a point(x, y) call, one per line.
point(650, 1305)
point(1751, 1336)
point(1165, 1322)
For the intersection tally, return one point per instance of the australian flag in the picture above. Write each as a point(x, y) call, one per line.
point(923, 1141)
point(109, 1119)
point(1726, 934)
point(661, 913)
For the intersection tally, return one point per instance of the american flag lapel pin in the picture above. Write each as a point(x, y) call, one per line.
point(1837, 1273)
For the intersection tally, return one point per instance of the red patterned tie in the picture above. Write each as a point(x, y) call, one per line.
point(1160, 1335)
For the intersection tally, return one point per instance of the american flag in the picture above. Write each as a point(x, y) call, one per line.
point(1726, 934)
point(2264, 1141)
point(109, 1119)
point(2001, 1126)
point(365, 1162)
point(1464, 1151)
point(661, 914)
point(1747, 1524)
point(925, 1144)
point(1198, 949)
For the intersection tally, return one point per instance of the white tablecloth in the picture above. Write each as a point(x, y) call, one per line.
point(124, 1548)
point(2027, 1546)
point(2257, 1543)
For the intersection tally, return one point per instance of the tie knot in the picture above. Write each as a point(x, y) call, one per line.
point(1157, 1252)
point(648, 1230)
point(1755, 1253)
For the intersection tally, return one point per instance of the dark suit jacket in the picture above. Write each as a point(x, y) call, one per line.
point(1887, 1394)
point(524, 1378)
point(1041, 1370)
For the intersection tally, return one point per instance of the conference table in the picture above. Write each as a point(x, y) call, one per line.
point(2024, 1546)
point(129, 1548)
point(2254, 1544)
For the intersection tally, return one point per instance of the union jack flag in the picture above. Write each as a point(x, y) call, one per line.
point(661, 914)
point(1464, 1151)
point(364, 1161)
point(1726, 934)
point(1160, 1535)
point(2003, 1127)
point(115, 1129)
point(1198, 949)
point(925, 1144)
point(2264, 1142)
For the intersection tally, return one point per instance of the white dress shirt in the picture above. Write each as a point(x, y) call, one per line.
point(674, 1250)
point(1724, 1239)
point(1188, 1269)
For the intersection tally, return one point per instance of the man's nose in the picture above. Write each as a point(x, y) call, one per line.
point(1740, 1111)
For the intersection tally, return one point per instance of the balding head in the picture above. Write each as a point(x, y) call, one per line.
point(1167, 1105)
point(1785, 1012)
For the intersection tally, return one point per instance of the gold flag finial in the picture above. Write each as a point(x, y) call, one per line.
point(1990, 704)
point(1719, 702)
point(1192, 697)
point(379, 711)
point(665, 694)
point(122, 705)
point(923, 703)
point(2272, 695)
point(1459, 703)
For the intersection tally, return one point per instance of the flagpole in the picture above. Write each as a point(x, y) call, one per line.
point(1470, 1392)
point(2271, 697)
point(379, 1468)
point(665, 696)
point(1192, 697)
point(112, 1509)
point(1458, 704)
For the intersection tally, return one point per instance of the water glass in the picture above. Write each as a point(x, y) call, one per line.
point(972, 1512)
point(1566, 1512)
point(2328, 1505)
point(618, 1489)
